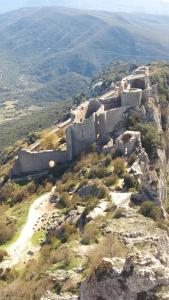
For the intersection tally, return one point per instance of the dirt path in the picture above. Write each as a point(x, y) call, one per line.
point(19, 250)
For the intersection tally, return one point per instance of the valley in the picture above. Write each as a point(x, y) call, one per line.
point(72, 48)
point(9, 111)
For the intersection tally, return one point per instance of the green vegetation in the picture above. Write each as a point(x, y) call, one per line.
point(151, 138)
point(79, 240)
point(111, 180)
point(8, 229)
point(119, 167)
point(119, 213)
point(38, 237)
point(55, 68)
point(26, 128)
point(151, 210)
point(160, 75)
point(62, 247)
point(129, 182)
point(108, 247)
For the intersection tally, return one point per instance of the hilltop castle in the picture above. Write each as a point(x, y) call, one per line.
point(94, 121)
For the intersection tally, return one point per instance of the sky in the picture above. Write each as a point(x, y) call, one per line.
point(147, 6)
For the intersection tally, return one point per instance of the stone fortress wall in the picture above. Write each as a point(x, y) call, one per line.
point(31, 162)
point(92, 122)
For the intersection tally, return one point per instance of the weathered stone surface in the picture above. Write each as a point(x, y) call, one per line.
point(99, 210)
point(51, 296)
point(90, 190)
point(138, 276)
point(128, 142)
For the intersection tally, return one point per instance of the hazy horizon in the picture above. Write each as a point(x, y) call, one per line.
point(150, 6)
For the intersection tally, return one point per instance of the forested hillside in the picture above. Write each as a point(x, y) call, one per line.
point(49, 54)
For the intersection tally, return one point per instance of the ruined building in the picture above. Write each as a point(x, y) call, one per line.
point(94, 121)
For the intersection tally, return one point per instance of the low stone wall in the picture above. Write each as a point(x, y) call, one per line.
point(31, 162)
point(127, 142)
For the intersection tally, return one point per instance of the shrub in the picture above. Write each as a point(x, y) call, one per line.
point(102, 192)
point(87, 160)
point(90, 205)
point(67, 231)
point(112, 180)
point(151, 138)
point(119, 213)
point(97, 172)
point(3, 253)
point(119, 166)
point(129, 181)
point(108, 160)
point(76, 199)
point(7, 231)
point(108, 247)
point(90, 234)
point(65, 200)
point(83, 183)
point(151, 210)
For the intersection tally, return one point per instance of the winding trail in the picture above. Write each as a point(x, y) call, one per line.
point(18, 251)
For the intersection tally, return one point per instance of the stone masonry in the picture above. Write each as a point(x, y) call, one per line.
point(93, 122)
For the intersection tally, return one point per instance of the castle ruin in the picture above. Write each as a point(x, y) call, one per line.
point(93, 122)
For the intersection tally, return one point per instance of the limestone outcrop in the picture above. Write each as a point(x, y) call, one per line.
point(143, 274)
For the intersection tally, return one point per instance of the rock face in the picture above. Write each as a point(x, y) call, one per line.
point(135, 280)
point(142, 275)
point(51, 296)
point(89, 190)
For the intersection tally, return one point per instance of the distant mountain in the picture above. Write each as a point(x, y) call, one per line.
point(144, 6)
point(48, 54)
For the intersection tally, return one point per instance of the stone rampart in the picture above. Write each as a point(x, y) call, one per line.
point(93, 106)
point(111, 103)
point(30, 162)
point(92, 122)
point(131, 97)
point(146, 94)
point(113, 117)
point(82, 135)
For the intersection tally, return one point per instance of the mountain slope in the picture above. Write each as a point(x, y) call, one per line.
point(151, 6)
point(48, 54)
